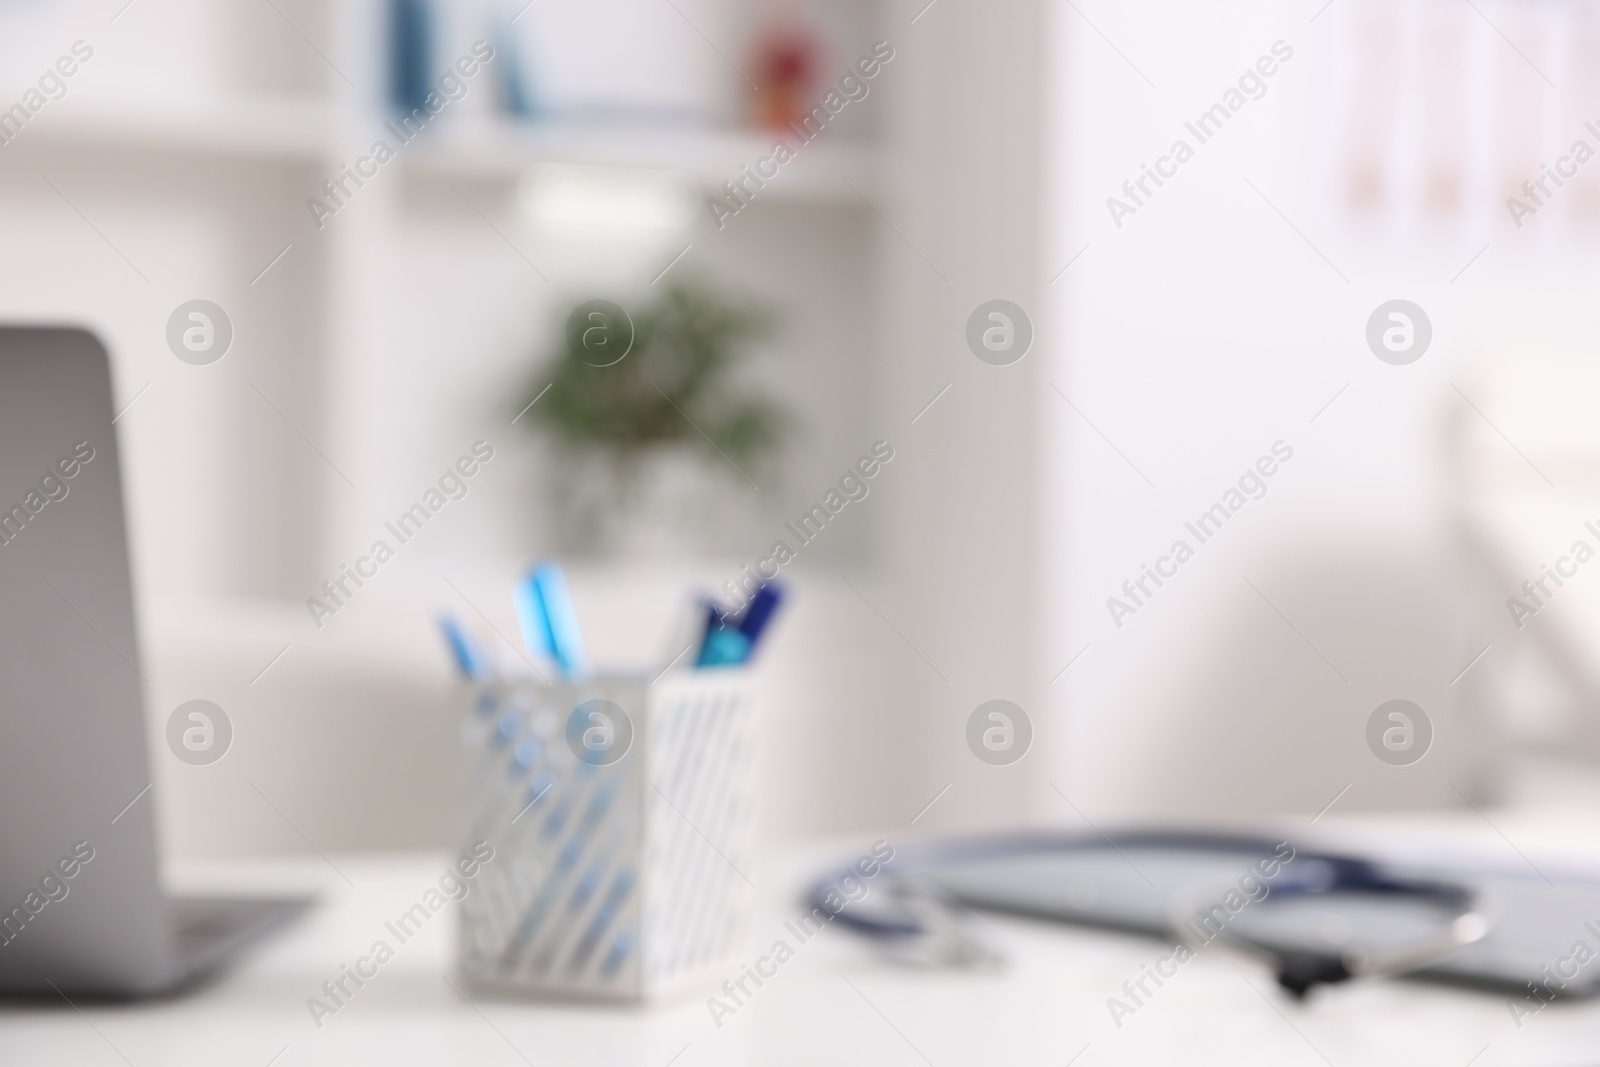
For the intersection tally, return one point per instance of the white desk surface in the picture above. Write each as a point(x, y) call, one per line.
point(833, 1003)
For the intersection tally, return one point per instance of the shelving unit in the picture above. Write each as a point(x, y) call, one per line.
point(370, 353)
point(351, 299)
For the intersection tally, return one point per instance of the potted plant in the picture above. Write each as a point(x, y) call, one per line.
point(648, 418)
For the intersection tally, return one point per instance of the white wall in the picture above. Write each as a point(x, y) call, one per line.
point(963, 541)
point(1205, 329)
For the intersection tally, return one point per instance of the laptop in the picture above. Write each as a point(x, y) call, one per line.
point(82, 911)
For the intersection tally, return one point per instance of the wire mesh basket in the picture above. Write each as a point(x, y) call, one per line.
point(622, 816)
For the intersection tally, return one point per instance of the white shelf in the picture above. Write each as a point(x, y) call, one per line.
point(244, 128)
point(303, 131)
point(822, 170)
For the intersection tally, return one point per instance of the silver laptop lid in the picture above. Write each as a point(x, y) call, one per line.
point(80, 899)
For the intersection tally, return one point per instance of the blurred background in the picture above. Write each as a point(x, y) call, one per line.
point(382, 327)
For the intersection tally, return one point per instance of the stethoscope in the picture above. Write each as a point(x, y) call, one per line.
point(920, 908)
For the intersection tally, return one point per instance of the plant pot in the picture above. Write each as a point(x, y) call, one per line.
point(659, 504)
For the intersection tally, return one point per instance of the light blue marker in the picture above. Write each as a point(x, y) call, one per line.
point(549, 625)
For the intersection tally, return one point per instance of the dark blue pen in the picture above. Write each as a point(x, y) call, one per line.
point(759, 612)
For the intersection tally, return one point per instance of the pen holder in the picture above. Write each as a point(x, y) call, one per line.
point(622, 816)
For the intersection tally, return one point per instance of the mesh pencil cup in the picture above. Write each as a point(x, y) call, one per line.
point(622, 816)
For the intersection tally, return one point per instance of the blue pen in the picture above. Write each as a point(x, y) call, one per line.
point(471, 660)
point(759, 612)
point(524, 758)
point(549, 625)
point(576, 845)
point(620, 946)
point(620, 888)
point(711, 622)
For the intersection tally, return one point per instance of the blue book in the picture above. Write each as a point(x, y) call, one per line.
point(517, 94)
point(411, 29)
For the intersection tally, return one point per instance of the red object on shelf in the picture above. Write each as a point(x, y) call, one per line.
point(786, 66)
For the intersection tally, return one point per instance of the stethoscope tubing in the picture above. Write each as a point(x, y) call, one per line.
point(1324, 873)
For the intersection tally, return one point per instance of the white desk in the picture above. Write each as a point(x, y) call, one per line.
point(834, 1003)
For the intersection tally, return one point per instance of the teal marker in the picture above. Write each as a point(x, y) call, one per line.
point(721, 645)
